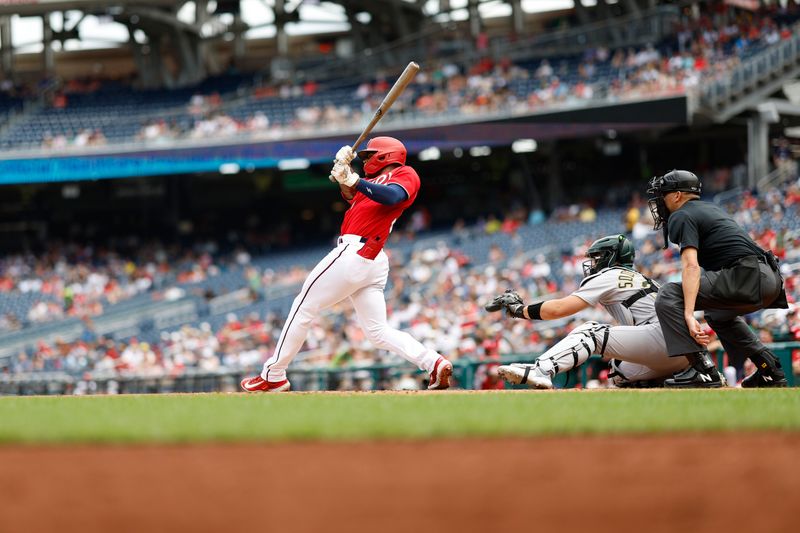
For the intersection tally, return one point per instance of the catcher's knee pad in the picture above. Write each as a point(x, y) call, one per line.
point(598, 333)
point(575, 348)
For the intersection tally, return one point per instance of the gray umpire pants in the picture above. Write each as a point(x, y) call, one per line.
point(724, 316)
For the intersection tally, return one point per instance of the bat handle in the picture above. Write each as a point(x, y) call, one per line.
point(358, 142)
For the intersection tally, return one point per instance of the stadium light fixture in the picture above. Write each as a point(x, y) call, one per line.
point(300, 163)
point(480, 151)
point(229, 168)
point(430, 154)
point(523, 146)
point(612, 148)
point(792, 132)
point(458, 152)
point(70, 192)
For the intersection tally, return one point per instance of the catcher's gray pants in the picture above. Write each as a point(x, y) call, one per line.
point(724, 316)
point(639, 351)
point(642, 352)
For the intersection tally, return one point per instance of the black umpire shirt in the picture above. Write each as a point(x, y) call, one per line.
point(719, 240)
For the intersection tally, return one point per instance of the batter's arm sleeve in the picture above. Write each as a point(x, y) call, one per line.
point(383, 194)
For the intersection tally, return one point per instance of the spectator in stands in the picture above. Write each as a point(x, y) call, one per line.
point(633, 214)
point(544, 71)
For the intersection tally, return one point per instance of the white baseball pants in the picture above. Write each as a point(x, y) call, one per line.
point(640, 350)
point(345, 274)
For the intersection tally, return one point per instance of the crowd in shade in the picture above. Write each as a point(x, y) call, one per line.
point(436, 293)
point(85, 137)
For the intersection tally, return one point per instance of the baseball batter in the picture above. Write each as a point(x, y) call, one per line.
point(636, 347)
point(357, 268)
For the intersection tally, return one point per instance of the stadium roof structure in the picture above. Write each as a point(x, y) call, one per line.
point(190, 29)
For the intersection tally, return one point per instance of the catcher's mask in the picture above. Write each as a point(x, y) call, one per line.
point(381, 152)
point(677, 180)
point(609, 251)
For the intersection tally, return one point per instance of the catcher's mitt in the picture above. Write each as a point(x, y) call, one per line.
point(506, 299)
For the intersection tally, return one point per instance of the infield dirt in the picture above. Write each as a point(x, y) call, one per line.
point(719, 482)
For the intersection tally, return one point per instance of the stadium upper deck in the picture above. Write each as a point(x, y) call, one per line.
point(101, 112)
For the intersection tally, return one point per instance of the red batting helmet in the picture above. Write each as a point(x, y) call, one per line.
point(380, 152)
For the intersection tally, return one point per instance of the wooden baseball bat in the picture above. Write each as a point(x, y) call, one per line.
point(399, 86)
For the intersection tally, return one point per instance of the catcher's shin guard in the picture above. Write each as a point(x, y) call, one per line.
point(574, 349)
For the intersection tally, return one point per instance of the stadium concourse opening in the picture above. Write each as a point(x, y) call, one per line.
point(269, 209)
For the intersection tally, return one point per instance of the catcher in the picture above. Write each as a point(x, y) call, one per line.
point(636, 347)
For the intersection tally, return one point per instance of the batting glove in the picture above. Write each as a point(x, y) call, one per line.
point(345, 155)
point(343, 174)
point(338, 168)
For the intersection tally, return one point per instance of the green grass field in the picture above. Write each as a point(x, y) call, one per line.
point(236, 417)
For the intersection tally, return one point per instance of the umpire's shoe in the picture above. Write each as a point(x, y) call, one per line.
point(769, 372)
point(701, 374)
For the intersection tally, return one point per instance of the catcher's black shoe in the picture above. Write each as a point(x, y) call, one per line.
point(640, 384)
point(769, 373)
point(701, 374)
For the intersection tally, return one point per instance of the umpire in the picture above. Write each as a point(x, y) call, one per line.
point(724, 273)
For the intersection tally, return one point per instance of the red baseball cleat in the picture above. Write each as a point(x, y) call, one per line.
point(259, 384)
point(440, 377)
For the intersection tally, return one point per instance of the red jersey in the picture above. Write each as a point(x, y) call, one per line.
point(372, 220)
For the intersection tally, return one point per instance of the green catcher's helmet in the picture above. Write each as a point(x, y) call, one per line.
point(609, 251)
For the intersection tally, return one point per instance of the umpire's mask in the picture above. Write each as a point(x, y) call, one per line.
point(677, 180)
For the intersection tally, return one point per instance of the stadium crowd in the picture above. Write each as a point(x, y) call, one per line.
point(436, 293)
point(74, 280)
point(702, 47)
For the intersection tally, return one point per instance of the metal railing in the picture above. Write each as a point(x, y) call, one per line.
point(725, 197)
point(303, 378)
point(780, 175)
point(752, 74)
point(446, 42)
point(646, 27)
point(398, 121)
